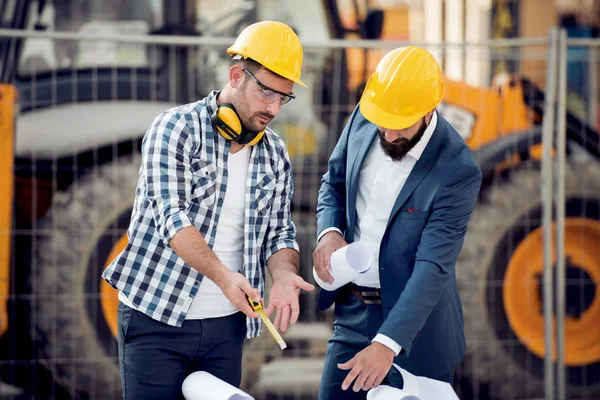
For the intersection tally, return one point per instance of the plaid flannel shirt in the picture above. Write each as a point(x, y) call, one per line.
point(182, 182)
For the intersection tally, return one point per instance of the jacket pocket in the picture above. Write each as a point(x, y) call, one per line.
point(414, 215)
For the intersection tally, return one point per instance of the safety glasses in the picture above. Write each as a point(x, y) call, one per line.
point(269, 95)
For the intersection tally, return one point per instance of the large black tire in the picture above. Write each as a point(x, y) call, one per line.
point(496, 360)
point(75, 238)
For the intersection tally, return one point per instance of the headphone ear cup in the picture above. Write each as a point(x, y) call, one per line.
point(227, 122)
point(256, 139)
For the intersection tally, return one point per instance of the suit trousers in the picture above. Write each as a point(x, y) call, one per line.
point(355, 326)
point(155, 358)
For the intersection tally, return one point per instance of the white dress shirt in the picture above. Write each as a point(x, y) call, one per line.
point(380, 182)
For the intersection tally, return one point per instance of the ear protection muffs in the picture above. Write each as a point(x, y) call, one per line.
point(229, 125)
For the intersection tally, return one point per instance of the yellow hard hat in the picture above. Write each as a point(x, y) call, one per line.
point(273, 45)
point(406, 85)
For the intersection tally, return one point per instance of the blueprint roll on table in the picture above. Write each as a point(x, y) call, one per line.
point(201, 385)
point(415, 388)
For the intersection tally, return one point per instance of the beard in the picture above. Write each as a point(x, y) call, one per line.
point(397, 149)
point(256, 124)
point(251, 121)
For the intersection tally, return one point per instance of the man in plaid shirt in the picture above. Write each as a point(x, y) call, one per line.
point(212, 209)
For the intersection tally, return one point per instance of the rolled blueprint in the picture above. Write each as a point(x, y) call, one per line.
point(347, 264)
point(414, 388)
point(201, 385)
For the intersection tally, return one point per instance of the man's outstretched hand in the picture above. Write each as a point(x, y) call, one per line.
point(283, 297)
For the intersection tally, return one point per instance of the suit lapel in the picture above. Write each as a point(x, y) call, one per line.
point(421, 168)
point(360, 156)
point(359, 159)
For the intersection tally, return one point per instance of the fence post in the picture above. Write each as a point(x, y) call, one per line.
point(592, 110)
point(561, 139)
point(547, 144)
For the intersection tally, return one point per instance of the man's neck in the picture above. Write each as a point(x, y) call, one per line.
point(235, 147)
point(224, 96)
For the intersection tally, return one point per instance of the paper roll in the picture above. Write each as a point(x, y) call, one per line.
point(347, 264)
point(414, 388)
point(201, 385)
point(389, 393)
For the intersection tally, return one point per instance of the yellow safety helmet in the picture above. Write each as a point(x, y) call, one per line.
point(273, 45)
point(406, 85)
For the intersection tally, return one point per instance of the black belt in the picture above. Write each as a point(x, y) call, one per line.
point(365, 294)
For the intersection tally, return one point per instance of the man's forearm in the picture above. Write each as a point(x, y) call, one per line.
point(189, 244)
point(283, 262)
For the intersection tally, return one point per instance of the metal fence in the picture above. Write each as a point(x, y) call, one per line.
point(534, 133)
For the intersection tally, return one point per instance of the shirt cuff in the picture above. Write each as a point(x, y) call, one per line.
point(327, 230)
point(280, 245)
point(173, 224)
point(387, 342)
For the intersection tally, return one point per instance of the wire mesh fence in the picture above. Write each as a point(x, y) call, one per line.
point(79, 129)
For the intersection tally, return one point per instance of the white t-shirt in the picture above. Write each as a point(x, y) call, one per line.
point(210, 302)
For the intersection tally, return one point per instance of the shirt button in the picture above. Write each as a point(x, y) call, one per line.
point(196, 283)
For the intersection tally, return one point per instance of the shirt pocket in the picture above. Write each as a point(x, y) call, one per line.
point(413, 224)
point(205, 179)
point(264, 193)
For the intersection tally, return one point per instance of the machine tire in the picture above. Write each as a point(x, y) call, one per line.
point(497, 360)
point(76, 343)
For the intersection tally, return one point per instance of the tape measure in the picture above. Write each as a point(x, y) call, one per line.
point(258, 307)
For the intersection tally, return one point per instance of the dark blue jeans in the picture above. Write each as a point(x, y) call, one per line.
point(155, 357)
point(355, 326)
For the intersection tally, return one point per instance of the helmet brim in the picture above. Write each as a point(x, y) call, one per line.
point(385, 119)
point(284, 74)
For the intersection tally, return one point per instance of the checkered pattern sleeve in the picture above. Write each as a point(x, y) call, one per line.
point(281, 233)
point(166, 168)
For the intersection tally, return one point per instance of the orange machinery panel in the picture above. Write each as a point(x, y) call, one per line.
point(8, 96)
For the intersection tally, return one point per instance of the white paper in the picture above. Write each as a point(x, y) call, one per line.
point(415, 388)
point(347, 264)
point(201, 385)
point(385, 392)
